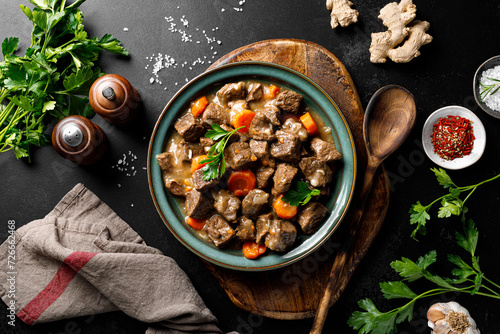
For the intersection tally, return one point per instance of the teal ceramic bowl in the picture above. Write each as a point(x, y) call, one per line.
point(170, 208)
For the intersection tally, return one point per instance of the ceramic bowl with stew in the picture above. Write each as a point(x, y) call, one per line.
point(171, 208)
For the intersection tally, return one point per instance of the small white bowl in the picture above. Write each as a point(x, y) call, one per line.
point(478, 130)
point(490, 63)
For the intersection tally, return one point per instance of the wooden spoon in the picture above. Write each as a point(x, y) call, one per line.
point(389, 119)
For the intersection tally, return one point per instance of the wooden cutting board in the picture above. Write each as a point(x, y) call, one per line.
point(294, 292)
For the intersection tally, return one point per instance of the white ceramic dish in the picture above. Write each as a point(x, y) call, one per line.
point(478, 130)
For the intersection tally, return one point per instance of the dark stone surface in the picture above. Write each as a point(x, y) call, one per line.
point(465, 34)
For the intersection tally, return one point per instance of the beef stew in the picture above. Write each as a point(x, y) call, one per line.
point(273, 148)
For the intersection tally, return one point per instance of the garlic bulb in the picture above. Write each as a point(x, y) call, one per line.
point(450, 318)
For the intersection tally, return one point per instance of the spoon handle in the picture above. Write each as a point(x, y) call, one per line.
point(341, 257)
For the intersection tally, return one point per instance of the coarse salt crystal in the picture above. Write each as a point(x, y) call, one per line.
point(125, 29)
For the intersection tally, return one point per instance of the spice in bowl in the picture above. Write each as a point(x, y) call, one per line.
point(489, 85)
point(452, 137)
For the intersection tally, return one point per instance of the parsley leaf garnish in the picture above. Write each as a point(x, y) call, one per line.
point(215, 163)
point(300, 195)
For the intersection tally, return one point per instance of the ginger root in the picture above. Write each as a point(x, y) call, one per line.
point(342, 13)
point(398, 19)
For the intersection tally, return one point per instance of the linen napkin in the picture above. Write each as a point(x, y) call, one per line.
point(83, 259)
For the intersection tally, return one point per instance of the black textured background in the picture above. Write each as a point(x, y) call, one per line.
point(465, 34)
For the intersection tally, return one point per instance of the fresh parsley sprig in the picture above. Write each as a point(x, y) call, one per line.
point(215, 163)
point(300, 195)
point(468, 279)
point(53, 78)
point(489, 89)
point(451, 203)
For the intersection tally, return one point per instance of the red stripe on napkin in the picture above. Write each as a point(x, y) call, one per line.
point(72, 264)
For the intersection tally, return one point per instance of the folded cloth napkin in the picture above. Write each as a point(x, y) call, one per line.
point(83, 259)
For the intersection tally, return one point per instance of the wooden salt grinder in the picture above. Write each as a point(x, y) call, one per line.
point(77, 139)
point(114, 99)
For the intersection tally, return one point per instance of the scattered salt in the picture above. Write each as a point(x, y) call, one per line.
point(181, 27)
point(125, 164)
point(492, 100)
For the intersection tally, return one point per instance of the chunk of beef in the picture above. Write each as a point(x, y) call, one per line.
point(214, 113)
point(317, 172)
point(198, 204)
point(176, 188)
point(245, 231)
point(238, 105)
point(202, 185)
point(312, 216)
point(283, 178)
point(231, 91)
point(206, 143)
point(282, 235)
point(324, 151)
point(263, 226)
point(219, 231)
point(255, 92)
point(238, 155)
point(227, 204)
point(253, 202)
point(166, 161)
point(189, 127)
point(272, 114)
point(286, 147)
point(294, 126)
point(187, 151)
point(288, 101)
point(260, 148)
point(261, 128)
point(262, 175)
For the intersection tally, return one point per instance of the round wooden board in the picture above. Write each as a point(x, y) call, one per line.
point(294, 292)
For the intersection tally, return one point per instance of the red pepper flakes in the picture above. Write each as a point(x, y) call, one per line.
point(453, 137)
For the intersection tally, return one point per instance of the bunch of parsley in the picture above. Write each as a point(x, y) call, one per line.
point(451, 203)
point(468, 279)
point(53, 78)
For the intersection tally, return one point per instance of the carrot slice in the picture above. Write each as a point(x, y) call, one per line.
point(195, 162)
point(243, 118)
point(309, 123)
point(272, 91)
point(197, 224)
point(199, 106)
point(241, 182)
point(252, 250)
point(284, 210)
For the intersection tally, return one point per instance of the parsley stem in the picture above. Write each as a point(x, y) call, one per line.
point(487, 295)
point(490, 290)
point(490, 281)
point(6, 112)
point(468, 195)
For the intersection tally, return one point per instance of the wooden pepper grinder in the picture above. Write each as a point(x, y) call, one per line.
point(114, 99)
point(77, 139)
